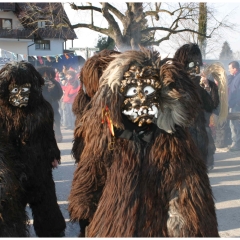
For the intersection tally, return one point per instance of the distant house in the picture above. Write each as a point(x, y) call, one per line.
point(30, 36)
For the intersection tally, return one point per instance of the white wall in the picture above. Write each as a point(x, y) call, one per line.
point(15, 22)
point(15, 46)
point(21, 46)
point(56, 47)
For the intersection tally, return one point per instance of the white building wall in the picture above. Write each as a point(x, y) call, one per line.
point(56, 48)
point(15, 22)
point(15, 46)
point(26, 46)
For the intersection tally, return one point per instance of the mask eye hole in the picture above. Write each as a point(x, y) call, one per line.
point(191, 64)
point(131, 91)
point(14, 90)
point(25, 89)
point(148, 90)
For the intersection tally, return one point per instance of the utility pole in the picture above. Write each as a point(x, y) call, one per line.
point(87, 50)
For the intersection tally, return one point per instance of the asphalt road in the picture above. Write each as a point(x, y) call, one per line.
point(224, 178)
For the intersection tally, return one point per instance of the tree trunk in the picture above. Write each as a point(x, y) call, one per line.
point(202, 28)
point(132, 28)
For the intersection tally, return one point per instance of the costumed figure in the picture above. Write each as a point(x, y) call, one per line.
point(191, 58)
point(13, 217)
point(26, 119)
point(89, 78)
point(52, 92)
point(138, 174)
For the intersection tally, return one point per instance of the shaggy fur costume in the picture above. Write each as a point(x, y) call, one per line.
point(30, 130)
point(200, 131)
point(89, 77)
point(143, 181)
point(13, 218)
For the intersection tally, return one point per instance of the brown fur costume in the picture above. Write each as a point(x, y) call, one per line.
point(135, 186)
point(89, 77)
point(30, 130)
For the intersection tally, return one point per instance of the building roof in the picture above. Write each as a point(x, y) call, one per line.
point(29, 14)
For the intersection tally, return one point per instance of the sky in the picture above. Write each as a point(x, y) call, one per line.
point(88, 38)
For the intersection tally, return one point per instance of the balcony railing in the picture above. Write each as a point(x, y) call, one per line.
point(16, 33)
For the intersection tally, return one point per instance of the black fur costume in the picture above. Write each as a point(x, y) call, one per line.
point(200, 131)
point(143, 181)
point(13, 218)
point(29, 129)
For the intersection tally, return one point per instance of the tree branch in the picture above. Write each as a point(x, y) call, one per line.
point(75, 7)
point(173, 31)
point(110, 19)
point(92, 27)
point(118, 14)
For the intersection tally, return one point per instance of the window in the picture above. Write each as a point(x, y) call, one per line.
point(5, 23)
point(42, 45)
point(41, 24)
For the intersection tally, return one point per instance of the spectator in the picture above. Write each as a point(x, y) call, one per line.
point(223, 132)
point(52, 92)
point(62, 79)
point(63, 82)
point(234, 103)
point(57, 75)
point(70, 92)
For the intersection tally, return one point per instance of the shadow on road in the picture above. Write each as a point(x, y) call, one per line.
point(225, 182)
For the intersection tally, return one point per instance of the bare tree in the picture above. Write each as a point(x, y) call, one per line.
point(145, 24)
point(202, 27)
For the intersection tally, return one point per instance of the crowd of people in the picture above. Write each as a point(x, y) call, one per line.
point(60, 90)
point(146, 114)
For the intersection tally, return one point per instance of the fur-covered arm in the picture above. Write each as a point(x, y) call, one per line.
point(87, 185)
point(41, 126)
point(90, 174)
point(184, 187)
point(210, 99)
point(53, 147)
point(80, 102)
point(191, 210)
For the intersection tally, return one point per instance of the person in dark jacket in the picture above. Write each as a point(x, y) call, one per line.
point(52, 92)
point(234, 103)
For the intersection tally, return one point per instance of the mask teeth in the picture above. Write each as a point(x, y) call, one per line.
point(153, 110)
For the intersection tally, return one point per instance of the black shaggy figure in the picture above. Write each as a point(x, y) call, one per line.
point(191, 58)
point(138, 174)
point(26, 119)
point(13, 217)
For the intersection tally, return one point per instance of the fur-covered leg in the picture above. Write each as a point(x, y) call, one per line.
point(13, 217)
point(48, 219)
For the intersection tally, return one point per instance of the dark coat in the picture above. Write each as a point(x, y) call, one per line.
point(208, 102)
point(52, 92)
point(234, 96)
